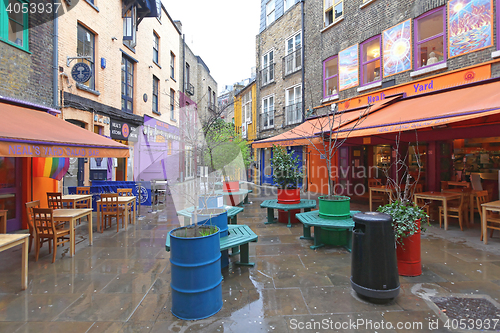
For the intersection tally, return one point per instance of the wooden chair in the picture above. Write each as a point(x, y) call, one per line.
point(126, 192)
point(109, 209)
point(425, 205)
point(492, 218)
point(31, 223)
point(85, 203)
point(54, 200)
point(46, 230)
point(379, 198)
point(457, 208)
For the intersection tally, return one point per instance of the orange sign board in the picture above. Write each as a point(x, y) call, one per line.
point(424, 86)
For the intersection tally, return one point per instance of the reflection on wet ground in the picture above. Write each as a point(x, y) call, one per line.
point(122, 283)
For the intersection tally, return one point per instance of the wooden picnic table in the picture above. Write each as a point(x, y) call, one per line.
point(273, 204)
point(439, 196)
point(10, 240)
point(71, 215)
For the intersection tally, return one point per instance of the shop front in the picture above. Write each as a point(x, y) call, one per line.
point(125, 133)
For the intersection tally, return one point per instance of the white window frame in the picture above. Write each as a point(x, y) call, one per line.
point(288, 4)
point(297, 98)
point(270, 12)
point(268, 109)
point(266, 64)
point(332, 5)
point(247, 107)
point(295, 47)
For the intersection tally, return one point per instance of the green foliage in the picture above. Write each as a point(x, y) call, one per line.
point(208, 231)
point(404, 217)
point(224, 145)
point(286, 170)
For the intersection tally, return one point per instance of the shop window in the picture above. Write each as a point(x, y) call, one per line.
point(333, 11)
point(370, 61)
point(127, 85)
point(430, 38)
point(14, 23)
point(330, 77)
point(156, 83)
point(156, 48)
point(85, 47)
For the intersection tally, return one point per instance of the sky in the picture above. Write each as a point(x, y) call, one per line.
point(222, 33)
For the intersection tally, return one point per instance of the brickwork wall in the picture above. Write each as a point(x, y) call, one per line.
point(28, 75)
point(360, 24)
point(274, 38)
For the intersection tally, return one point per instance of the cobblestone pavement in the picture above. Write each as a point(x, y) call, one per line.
point(122, 283)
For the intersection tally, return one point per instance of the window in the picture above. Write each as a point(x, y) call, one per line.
point(270, 12)
point(14, 28)
point(288, 4)
point(129, 27)
point(330, 77)
point(293, 58)
point(210, 98)
point(268, 112)
point(172, 65)
point(429, 38)
point(334, 9)
point(85, 47)
point(214, 99)
point(370, 60)
point(172, 104)
point(268, 68)
point(156, 48)
point(247, 107)
point(156, 83)
point(293, 108)
point(127, 85)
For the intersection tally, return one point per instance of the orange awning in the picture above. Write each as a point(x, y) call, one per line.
point(29, 133)
point(308, 132)
point(429, 111)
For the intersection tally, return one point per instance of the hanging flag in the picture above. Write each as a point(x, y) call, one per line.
point(51, 167)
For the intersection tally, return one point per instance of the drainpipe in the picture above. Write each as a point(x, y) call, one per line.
point(184, 64)
point(303, 89)
point(55, 60)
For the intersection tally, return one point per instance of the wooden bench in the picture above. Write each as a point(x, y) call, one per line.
point(231, 214)
point(271, 205)
point(239, 236)
point(313, 219)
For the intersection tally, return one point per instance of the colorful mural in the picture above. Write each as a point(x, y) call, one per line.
point(470, 26)
point(348, 68)
point(396, 45)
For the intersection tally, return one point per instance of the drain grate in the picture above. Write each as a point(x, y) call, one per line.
point(468, 308)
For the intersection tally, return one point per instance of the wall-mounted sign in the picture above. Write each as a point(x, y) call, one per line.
point(81, 72)
point(123, 131)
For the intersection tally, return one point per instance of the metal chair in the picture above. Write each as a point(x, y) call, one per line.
point(47, 230)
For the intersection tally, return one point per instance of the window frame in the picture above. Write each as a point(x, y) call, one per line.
point(270, 66)
point(268, 110)
point(247, 106)
point(130, 40)
point(4, 26)
point(172, 104)
point(416, 42)
point(91, 82)
point(156, 48)
point(335, 3)
point(172, 65)
point(363, 64)
point(295, 48)
point(325, 96)
point(268, 12)
point(287, 4)
point(156, 96)
point(125, 97)
point(295, 88)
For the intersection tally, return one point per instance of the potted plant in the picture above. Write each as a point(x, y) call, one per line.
point(407, 221)
point(287, 175)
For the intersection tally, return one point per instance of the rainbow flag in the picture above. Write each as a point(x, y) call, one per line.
point(51, 167)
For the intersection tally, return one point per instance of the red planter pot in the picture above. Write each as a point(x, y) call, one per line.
point(231, 186)
point(409, 255)
point(289, 196)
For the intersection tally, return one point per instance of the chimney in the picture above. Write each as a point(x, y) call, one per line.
point(178, 24)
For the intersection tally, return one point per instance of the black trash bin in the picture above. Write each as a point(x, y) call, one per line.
point(374, 270)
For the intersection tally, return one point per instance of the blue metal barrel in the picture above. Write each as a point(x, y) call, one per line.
point(213, 216)
point(196, 278)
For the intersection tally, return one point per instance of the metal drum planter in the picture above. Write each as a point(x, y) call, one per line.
point(210, 201)
point(196, 279)
point(335, 207)
point(213, 216)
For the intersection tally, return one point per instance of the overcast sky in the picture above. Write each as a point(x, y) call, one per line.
point(222, 33)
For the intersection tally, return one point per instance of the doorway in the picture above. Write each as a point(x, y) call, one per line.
point(10, 191)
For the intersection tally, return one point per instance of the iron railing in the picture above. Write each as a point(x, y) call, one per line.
point(292, 62)
point(189, 89)
point(267, 120)
point(293, 113)
point(267, 74)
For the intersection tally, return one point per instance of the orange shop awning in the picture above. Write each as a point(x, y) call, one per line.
point(309, 131)
point(429, 111)
point(29, 133)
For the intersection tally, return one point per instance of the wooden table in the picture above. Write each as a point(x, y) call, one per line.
point(493, 206)
point(471, 200)
point(3, 221)
point(10, 240)
point(71, 215)
point(379, 188)
point(439, 196)
point(72, 199)
point(122, 200)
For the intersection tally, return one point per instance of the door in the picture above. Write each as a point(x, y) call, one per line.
point(297, 152)
point(266, 169)
point(343, 173)
point(10, 191)
point(358, 171)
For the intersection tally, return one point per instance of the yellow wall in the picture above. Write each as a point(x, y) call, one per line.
point(237, 113)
